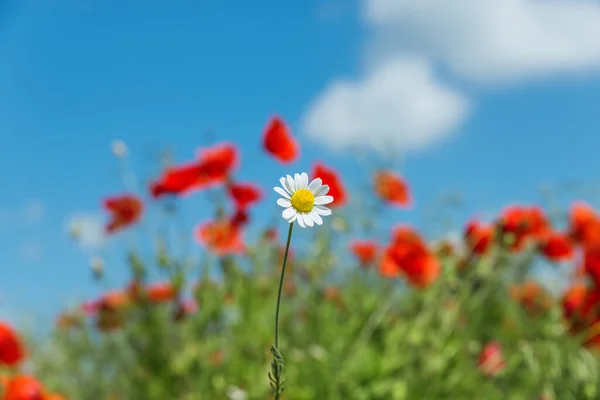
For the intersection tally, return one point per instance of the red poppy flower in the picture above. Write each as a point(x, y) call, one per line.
point(365, 251)
point(23, 387)
point(114, 300)
point(244, 195)
point(524, 223)
point(581, 215)
point(125, 210)
point(491, 360)
point(478, 236)
point(331, 178)
point(179, 180)
point(217, 162)
point(161, 292)
point(213, 166)
point(392, 188)
point(591, 265)
point(12, 351)
point(532, 297)
point(239, 219)
point(574, 299)
point(279, 142)
point(220, 237)
point(271, 234)
point(556, 246)
point(409, 256)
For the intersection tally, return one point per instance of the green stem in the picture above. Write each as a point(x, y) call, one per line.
point(285, 257)
point(275, 376)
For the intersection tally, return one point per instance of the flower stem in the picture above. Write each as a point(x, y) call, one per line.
point(277, 364)
point(285, 257)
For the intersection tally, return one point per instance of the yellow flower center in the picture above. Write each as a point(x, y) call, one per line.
point(303, 201)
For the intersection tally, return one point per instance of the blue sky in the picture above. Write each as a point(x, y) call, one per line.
point(74, 75)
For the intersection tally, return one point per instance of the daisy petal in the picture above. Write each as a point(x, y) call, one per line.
point(316, 217)
point(291, 187)
point(285, 203)
point(308, 220)
point(321, 191)
point(319, 201)
point(288, 213)
point(315, 184)
point(322, 210)
point(300, 221)
point(293, 218)
point(281, 191)
point(303, 180)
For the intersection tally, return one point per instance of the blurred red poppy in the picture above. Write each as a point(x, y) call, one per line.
point(364, 250)
point(160, 292)
point(557, 246)
point(220, 237)
point(244, 194)
point(409, 256)
point(392, 188)
point(491, 360)
point(478, 236)
point(279, 142)
point(213, 166)
point(125, 210)
point(331, 178)
point(12, 351)
point(23, 387)
point(532, 297)
point(523, 223)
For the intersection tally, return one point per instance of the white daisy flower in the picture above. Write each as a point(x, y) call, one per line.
point(303, 202)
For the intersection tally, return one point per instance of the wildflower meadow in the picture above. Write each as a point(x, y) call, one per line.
point(353, 317)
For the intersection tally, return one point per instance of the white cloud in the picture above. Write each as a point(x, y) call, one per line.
point(87, 231)
point(34, 211)
point(397, 106)
point(400, 103)
point(489, 40)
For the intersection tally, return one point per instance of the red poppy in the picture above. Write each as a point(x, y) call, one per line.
point(213, 166)
point(409, 256)
point(331, 178)
point(556, 246)
point(239, 219)
point(478, 236)
point(279, 142)
point(581, 216)
point(218, 161)
point(161, 292)
point(23, 387)
point(114, 300)
point(244, 195)
point(491, 360)
point(220, 237)
point(532, 297)
point(392, 188)
point(271, 234)
point(12, 351)
point(574, 299)
point(365, 251)
point(125, 210)
point(591, 265)
point(179, 180)
point(524, 223)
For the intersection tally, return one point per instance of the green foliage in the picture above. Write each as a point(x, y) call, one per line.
point(345, 334)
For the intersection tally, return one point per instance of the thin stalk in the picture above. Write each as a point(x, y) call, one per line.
point(275, 376)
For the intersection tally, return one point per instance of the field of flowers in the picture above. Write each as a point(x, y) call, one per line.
point(360, 319)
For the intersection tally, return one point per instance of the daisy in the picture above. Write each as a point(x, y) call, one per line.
point(303, 202)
